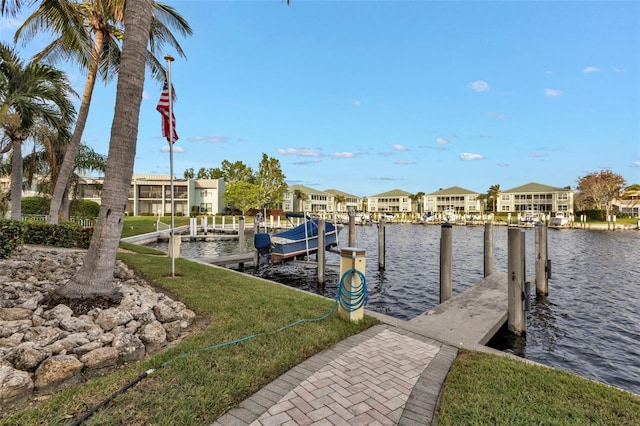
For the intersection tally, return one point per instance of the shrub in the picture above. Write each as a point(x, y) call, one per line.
point(84, 209)
point(67, 234)
point(11, 234)
point(35, 205)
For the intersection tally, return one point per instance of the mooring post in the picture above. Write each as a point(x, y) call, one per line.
point(193, 226)
point(352, 284)
point(381, 244)
point(488, 249)
point(515, 310)
point(352, 228)
point(320, 252)
point(204, 224)
point(446, 236)
point(542, 283)
point(241, 240)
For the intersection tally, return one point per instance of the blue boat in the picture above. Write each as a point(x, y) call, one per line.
point(301, 240)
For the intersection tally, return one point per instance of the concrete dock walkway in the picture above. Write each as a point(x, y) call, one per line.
point(390, 374)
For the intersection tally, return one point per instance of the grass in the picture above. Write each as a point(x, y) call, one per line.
point(197, 389)
point(484, 389)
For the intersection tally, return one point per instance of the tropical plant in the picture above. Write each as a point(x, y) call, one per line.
point(492, 193)
point(30, 93)
point(301, 196)
point(189, 173)
point(339, 199)
point(90, 33)
point(94, 279)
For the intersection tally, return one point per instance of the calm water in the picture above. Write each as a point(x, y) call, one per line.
point(589, 324)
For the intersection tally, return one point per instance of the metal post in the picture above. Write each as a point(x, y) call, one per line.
point(488, 249)
point(381, 244)
point(542, 285)
point(446, 236)
point(515, 312)
point(321, 248)
point(169, 59)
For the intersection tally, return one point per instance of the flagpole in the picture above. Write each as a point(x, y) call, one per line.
point(169, 59)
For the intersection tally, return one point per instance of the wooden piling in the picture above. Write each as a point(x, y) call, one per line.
point(320, 252)
point(488, 249)
point(352, 228)
point(515, 312)
point(542, 283)
point(446, 236)
point(381, 244)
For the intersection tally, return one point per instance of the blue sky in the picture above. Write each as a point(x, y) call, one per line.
point(369, 96)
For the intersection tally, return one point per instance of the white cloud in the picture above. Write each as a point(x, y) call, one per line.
point(386, 154)
point(498, 115)
point(537, 154)
point(479, 86)
point(635, 164)
point(620, 69)
point(552, 93)
point(404, 163)
point(357, 103)
point(442, 141)
point(306, 162)
point(466, 156)
point(176, 149)
point(548, 72)
point(503, 164)
point(218, 139)
point(591, 69)
point(343, 155)
point(301, 152)
point(399, 147)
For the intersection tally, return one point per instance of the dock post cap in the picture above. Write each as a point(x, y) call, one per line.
point(447, 225)
point(349, 251)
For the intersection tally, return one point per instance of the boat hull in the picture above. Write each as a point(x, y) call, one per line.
point(285, 251)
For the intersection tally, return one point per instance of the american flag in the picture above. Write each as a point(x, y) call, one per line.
point(163, 109)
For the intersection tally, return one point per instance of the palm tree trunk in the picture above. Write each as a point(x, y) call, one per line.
point(95, 277)
point(16, 180)
point(64, 175)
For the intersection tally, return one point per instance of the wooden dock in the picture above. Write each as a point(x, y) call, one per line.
point(470, 318)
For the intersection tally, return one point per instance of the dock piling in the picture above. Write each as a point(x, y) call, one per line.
point(488, 249)
point(321, 248)
point(352, 228)
point(542, 283)
point(515, 312)
point(445, 261)
point(381, 244)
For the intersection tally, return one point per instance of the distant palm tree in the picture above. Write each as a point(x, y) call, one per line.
point(90, 34)
point(29, 93)
point(339, 199)
point(494, 191)
point(301, 196)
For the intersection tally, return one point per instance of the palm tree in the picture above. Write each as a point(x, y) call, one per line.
point(89, 34)
point(494, 191)
point(301, 196)
point(29, 93)
point(94, 279)
point(420, 198)
point(339, 199)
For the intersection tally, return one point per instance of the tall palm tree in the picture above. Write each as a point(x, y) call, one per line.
point(29, 93)
point(301, 196)
point(339, 199)
point(90, 34)
point(94, 279)
point(494, 191)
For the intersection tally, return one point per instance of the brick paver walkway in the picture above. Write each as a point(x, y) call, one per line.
point(383, 376)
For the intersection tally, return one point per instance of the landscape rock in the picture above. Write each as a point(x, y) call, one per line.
point(57, 370)
point(43, 348)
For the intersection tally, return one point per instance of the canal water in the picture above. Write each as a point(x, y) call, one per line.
point(589, 324)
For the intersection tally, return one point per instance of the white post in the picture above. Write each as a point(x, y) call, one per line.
point(169, 59)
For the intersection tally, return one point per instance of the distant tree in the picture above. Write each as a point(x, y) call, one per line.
point(420, 198)
point(301, 196)
point(365, 204)
point(339, 199)
point(235, 172)
point(189, 173)
point(599, 189)
point(242, 195)
point(493, 192)
point(271, 181)
point(482, 198)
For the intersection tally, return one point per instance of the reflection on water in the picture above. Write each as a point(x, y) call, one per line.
point(588, 324)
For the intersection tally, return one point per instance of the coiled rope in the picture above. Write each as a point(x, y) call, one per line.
point(349, 296)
